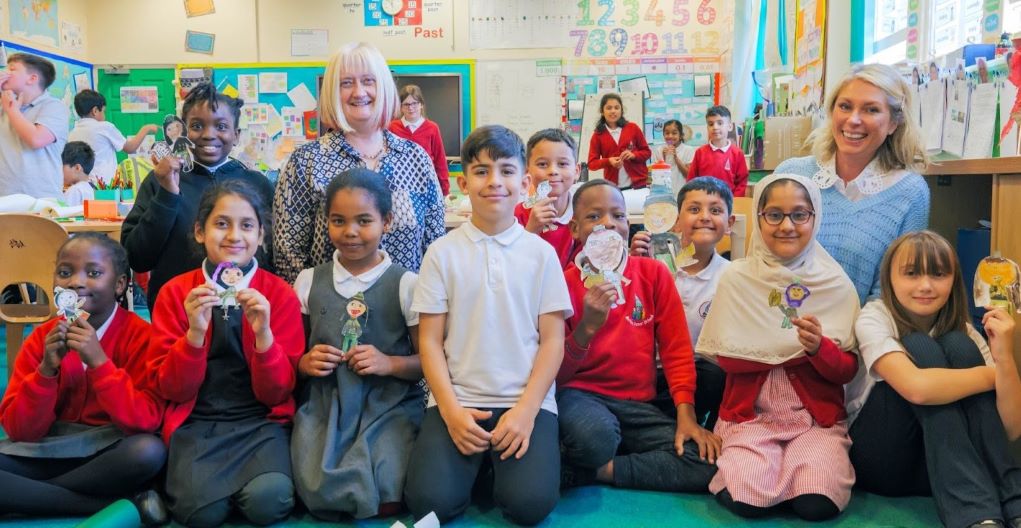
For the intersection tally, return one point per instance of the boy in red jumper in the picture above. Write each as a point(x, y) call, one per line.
point(552, 157)
point(720, 158)
point(609, 430)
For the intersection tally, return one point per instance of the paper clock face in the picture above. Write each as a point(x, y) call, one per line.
point(393, 13)
point(392, 7)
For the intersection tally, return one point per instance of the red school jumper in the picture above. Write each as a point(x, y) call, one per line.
point(560, 238)
point(728, 165)
point(427, 135)
point(109, 394)
point(602, 146)
point(620, 360)
point(177, 369)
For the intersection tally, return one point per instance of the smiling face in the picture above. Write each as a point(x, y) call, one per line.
point(786, 240)
point(671, 134)
point(231, 276)
point(232, 232)
point(213, 133)
point(493, 186)
point(88, 269)
point(612, 111)
point(862, 120)
point(703, 219)
point(355, 308)
point(599, 205)
point(173, 131)
point(553, 162)
point(922, 292)
point(358, 97)
point(355, 228)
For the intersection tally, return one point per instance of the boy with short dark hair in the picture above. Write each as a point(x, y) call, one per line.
point(78, 160)
point(102, 135)
point(491, 300)
point(552, 157)
point(721, 158)
point(33, 129)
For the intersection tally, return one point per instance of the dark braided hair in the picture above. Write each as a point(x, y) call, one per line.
point(206, 93)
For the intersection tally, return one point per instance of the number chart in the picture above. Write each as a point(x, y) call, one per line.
point(393, 13)
point(651, 28)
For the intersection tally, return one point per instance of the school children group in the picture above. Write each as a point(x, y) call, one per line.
point(746, 379)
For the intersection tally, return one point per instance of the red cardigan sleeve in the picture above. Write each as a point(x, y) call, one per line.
point(273, 371)
point(29, 405)
point(176, 369)
point(118, 382)
point(439, 156)
point(672, 339)
point(596, 159)
point(833, 364)
point(740, 173)
point(641, 151)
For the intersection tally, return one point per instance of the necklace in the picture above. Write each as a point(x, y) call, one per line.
point(376, 155)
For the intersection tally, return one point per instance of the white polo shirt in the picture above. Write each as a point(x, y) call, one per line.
point(105, 140)
point(697, 293)
point(877, 336)
point(35, 172)
point(493, 289)
point(347, 285)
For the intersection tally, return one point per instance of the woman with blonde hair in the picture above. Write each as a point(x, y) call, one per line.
point(356, 103)
point(414, 125)
point(866, 160)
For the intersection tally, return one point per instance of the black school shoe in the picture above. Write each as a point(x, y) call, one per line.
point(151, 509)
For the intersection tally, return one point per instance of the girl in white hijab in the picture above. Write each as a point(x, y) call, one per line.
point(781, 326)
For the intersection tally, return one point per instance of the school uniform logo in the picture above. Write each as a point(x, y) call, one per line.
point(639, 317)
point(703, 310)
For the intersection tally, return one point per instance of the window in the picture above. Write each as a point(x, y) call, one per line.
point(953, 23)
point(889, 27)
point(1012, 16)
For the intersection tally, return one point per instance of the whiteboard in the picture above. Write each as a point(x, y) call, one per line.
point(509, 93)
point(634, 112)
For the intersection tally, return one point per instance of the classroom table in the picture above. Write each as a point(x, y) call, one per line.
point(111, 227)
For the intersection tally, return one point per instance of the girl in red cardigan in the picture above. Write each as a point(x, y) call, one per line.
point(782, 326)
point(618, 147)
point(414, 126)
point(226, 341)
point(79, 425)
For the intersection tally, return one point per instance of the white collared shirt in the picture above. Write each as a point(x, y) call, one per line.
point(615, 133)
point(697, 292)
point(493, 288)
point(347, 285)
point(724, 148)
point(105, 140)
point(871, 180)
point(413, 126)
point(101, 331)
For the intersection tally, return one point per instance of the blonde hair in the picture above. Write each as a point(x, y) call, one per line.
point(927, 254)
point(357, 57)
point(413, 91)
point(905, 148)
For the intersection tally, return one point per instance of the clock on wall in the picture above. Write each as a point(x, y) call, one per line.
point(392, 7)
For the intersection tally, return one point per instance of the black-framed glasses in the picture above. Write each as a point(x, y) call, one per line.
point(411, 105)
point(775, 218)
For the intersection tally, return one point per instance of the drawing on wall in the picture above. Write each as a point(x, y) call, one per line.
point(71, 36)
point(139, 99)
point(35, 20)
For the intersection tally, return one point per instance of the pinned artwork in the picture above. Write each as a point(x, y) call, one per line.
point(997, 284)
point(228, 275)
point(604, 251)
point(352, 329)
point(788, 301)
point(69, 305)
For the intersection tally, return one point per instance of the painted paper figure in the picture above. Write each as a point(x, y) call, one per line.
point(352, 329)
point(69, 305)
point(788, 301)
point(175, 143)
point(541, 193)
point(228, 275)
point(604, 252)
point(997, 283)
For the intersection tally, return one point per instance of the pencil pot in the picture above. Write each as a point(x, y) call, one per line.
point(127, 195)
point(108, 194)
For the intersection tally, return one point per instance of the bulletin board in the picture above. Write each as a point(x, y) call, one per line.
point(70, 73)
point(809, 58)
point(519, 95)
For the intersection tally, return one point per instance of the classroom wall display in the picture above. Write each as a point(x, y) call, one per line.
point(68, 72)
point(35, 20)
point(139, 99)
point(809, 58)
point(71, 37)
point(519, 95)
point(499, 24)
point(427, 26)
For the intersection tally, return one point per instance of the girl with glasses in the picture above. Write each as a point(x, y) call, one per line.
point(413, 125)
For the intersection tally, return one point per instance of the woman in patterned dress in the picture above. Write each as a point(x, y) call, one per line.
point(358, 100)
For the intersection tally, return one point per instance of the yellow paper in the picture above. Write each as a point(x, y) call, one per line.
point(198, 7)
point(230, 91)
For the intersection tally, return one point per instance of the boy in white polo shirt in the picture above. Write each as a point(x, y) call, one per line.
point(102, 135)
point(492, 301)
point(705, 216)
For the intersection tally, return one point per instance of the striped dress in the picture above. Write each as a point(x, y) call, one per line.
point(782, 453)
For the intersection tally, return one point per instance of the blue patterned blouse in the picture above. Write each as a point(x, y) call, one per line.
point(300, 227)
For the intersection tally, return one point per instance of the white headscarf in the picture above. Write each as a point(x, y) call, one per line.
point(741, 323)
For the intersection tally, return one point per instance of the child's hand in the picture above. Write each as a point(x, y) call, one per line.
point(81, 338)
point(543, 214)
point(999, 326)
point(641, 243)
point(150, 129)
point(669, 152)
point(199, 307)
point(809, 333)
point(367, 359)
point(55, 349)
point(256, 308)
point(626, 155)
point(597, 302)
point(320, 361)
point(168, 173)
point(709, 445)
point(10, 102)
point(512, 432)
point(468, 436)
point(615, 161)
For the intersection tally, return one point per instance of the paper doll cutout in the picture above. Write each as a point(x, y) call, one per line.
point(997, 284)
point(69, 305)
point(541, 193)
point(660, 215)
point(175, 143)
point(352, 329)
point(788, 301)
point(228, 275)
point(604, 252)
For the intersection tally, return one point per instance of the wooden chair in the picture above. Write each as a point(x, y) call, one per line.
point(28, 252)
point(742, 206)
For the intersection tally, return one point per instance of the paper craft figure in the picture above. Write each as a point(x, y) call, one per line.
point(69, 305)
point(175, 143)
point(541, 193)
point(604, 251)
point(228, 275)
point(788, 301)
point(660, 215)
point(352, 328)
point(997, 284)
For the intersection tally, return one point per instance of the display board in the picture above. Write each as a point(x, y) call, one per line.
point(519, 95)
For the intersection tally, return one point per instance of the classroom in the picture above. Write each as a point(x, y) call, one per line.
point(288, 262)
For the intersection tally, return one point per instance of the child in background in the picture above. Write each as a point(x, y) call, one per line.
point(618, 147)
point(425, 132)
point(102, 135)
point(935, 406)
point(720, 157)
point(492, 399)
point(781, 327)
point(79, 422)
point(78, 159)
point(224, 354)
point(353, 435)
point(675, 153)
point(704, 218)
point(552, 157)
point(159, 230)
point(611, 433)
point(33, 128)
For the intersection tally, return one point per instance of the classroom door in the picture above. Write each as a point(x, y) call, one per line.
point(110, 86)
